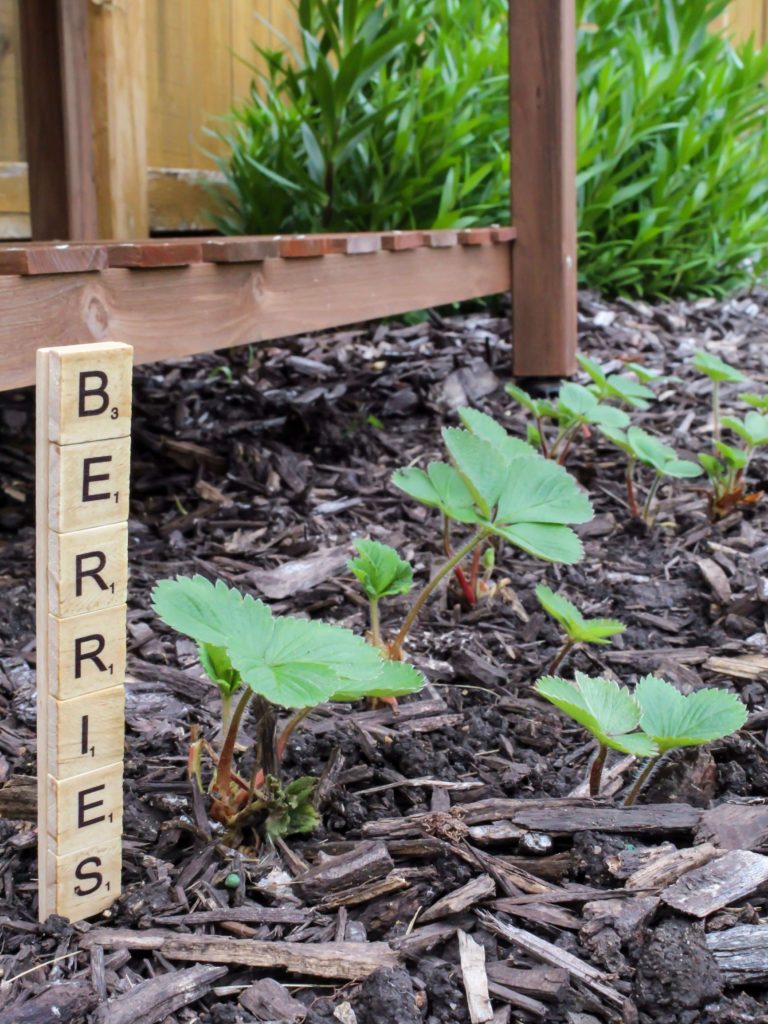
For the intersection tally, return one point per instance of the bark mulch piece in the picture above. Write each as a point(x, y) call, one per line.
point(461, 873)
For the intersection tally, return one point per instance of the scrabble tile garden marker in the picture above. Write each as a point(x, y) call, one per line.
point(83, 455)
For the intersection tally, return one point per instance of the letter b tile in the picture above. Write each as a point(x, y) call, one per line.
point(90, 392)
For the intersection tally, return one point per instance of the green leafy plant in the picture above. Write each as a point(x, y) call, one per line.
point(578, 630)
point(280, 662)
point(386, 115)
point(648, 723)
point(382, 573)
point(575, 410)
point(620, 386)
point(672, 150)
point(640, 446)
point(516, 497)
point(718, 372)
point(672, 720)
point(727, 473)
point(606, 710)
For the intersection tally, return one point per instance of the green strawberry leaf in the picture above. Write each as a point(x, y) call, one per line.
point(605, 709)
point(487, 429)
point(218, 668)
point(196, 607)
point(716, 369)
point(673, 720)
point(577, 628)
point(380, 570)
point(395, 679)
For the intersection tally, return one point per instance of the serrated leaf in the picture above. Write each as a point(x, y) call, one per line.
point(395, 679)
point(523, 398)
point(218, 667)
point(440, 487)
point(577, 627)
point(540, 491)
point(608, 711)
point(753, 428)
point(478, 465)
point(488, 429)
point(716, 369)
point(196, 607)
point(547, 541)
point(674, 720)
point(380, 570)
point(653, 452)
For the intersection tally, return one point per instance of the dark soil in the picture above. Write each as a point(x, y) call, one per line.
point(251, 460)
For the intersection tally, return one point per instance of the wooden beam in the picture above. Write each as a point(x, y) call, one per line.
point(54, 50)
point(117, 38)
point(173, 312)
point(542, 82)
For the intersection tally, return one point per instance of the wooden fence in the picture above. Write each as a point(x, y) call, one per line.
point(194, 66)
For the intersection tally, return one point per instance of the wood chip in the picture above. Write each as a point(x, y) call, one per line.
point(361, 866)
point(645, 819)
point(152, 1001)
point(462, 899)
point(663, 870)
point(350, 960)
point(741, 953)
point(472, 959)
point(729, 879)
point(268, 1000)
point(745, 666)
point(735, 827)
point(716, 579)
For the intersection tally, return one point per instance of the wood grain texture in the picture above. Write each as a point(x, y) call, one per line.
point(153, 253)
point(87, 570)
point(90, 393)
point(398, 240)
point(178, 312)
point(57, 116)
point(88, 484)
point(86, 653)
point(86, 733)
point(86, 810)
point(44, 258)
point(117, 56)
point(542, 83)
point(42, 533)
point(240, 250)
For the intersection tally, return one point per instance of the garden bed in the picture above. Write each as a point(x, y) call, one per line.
point(462, 819)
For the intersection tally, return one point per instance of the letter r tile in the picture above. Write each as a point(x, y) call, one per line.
point(85, 810)
point(86, 653)
point(88, 484)
point(91, 391)
point(87, 570)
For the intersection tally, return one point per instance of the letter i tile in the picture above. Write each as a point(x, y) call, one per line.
point(83, 461)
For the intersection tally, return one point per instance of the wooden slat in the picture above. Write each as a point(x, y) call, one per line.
point(44, 258)
point(398, 240)
point(542, 82)
point(57, 113)
point(441, 239)
point(118, 86)
point(476, 236)
point(239, 250)
point(152, 253)
point(178, 312)
point(301, 246)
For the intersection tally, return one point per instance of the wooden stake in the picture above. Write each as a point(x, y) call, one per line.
point(83, 452)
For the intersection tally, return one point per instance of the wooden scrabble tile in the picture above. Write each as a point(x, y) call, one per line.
point(85, 733)
point(87, 570)
point(82, 883)
point(88, 484)
point(86, 810)
point(86, 653)
point(90, 392)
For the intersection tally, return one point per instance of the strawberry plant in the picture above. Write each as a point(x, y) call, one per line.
point(619, 386)
point(719, 372)
point(648, 723)
point(502, 490)
point(640, 446)
point(382, 573)
point(578, 630)
point(726, 473)
point(278, 662)
point(575, 410)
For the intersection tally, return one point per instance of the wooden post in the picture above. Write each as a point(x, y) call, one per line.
point(117, 40)
point(83, 455)
point(542, 83)
point(57, 118)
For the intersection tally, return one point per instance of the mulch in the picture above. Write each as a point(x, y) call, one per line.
point(460, 858)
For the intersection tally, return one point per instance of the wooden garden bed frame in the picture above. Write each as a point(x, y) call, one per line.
point(178, 297)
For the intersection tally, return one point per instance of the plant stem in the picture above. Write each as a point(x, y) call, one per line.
point(716, 409)
point(423, 597)
point(373, 603)
point(458, 572)
point(568, 439)
point(475, 570)
point(224, 769)
point(542, 440)
point(649, 498)
point(562, 654)
point(226, 713)
point(631, 498)
point(641, 779)
point(596, 771)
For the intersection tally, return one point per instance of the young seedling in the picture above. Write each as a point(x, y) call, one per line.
point(672, 720)
point(726, 474)
point(576, 410)
point(759, 402)
point(282, 662)
point(606, 710)
point(382, 573)
point(639, 446)
point(525, 500)
point(578, 630)
point(625, 389)
point(718, 372)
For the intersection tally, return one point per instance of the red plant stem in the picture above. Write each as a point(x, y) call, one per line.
point(476, 556)
point(458, 572)
point(224, 769)
point(561, 655)
point(631, 499)
point(596, 771)
point(257, 778)
point(641, 779)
